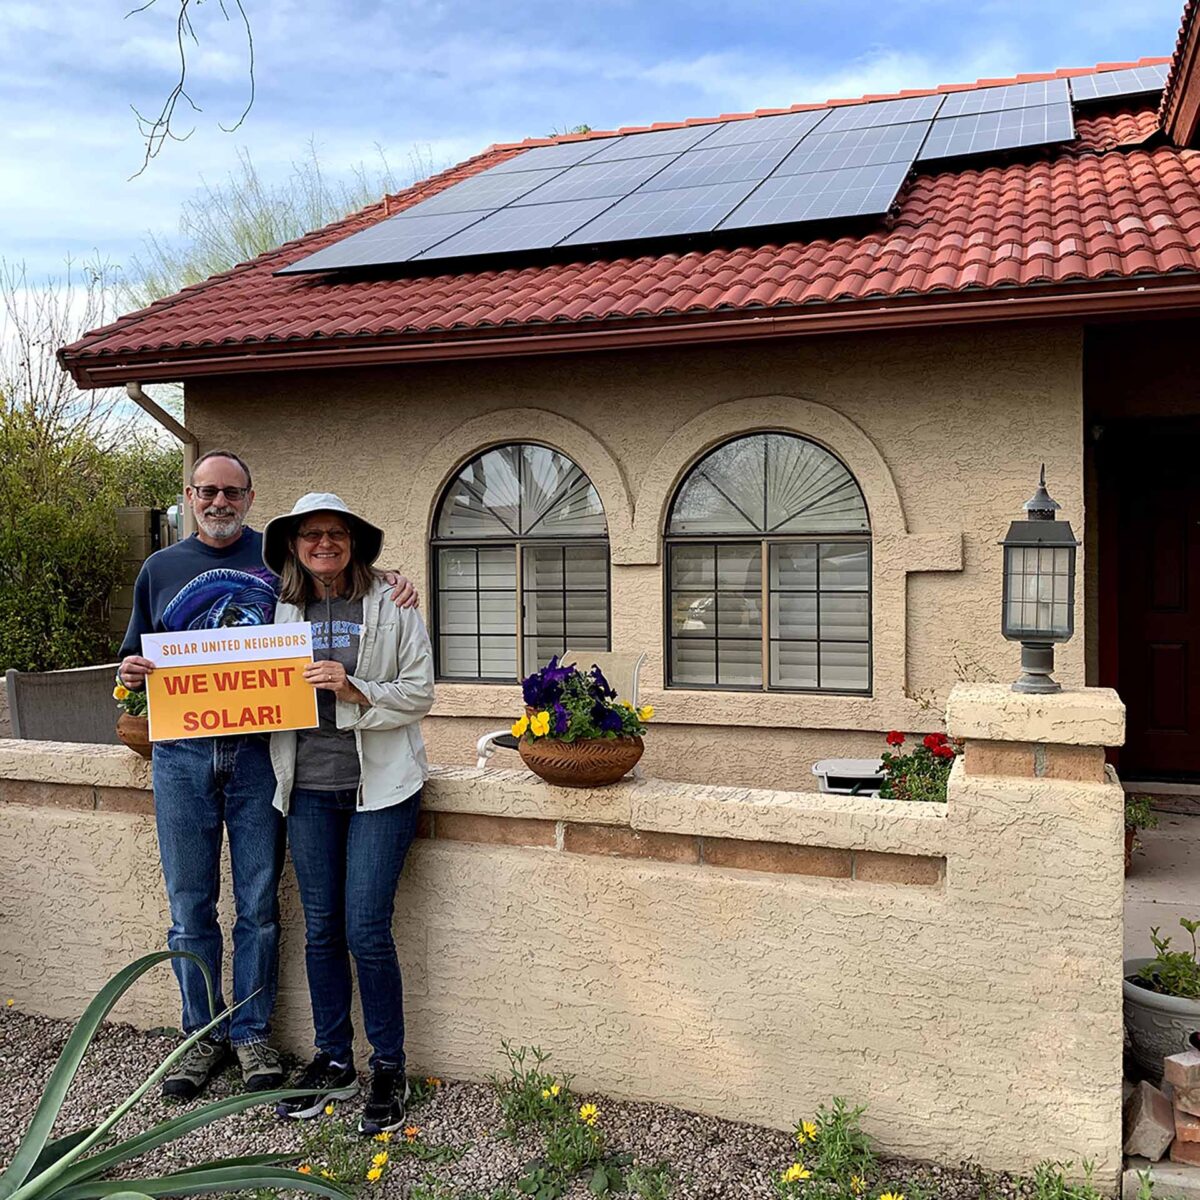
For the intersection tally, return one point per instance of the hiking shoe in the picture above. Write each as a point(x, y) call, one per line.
point(323, 1082)
point(191, 1073)
point(384, 1109)
point(260, 1066)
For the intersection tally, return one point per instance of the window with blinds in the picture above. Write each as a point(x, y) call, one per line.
point(769, 571)
point(520, 557)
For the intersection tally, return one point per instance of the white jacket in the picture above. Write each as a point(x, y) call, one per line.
point(395, 673)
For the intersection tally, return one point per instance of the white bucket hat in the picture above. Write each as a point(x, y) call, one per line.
point(368, 538)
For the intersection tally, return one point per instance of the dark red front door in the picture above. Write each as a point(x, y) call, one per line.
point(1152, 472)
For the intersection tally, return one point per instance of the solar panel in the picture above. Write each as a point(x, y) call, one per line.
point(482, 192)
point(999, 99)
point(530, 227)
point(658, 141)
point(982, 132)
point(855, 148)
point(657, 214)
point(565, 154)
point(1135, 81)
point(596, 179)
point(765, 129)
point(882, 112)
point(722, 164)
point(852, 192)
point(395, 240)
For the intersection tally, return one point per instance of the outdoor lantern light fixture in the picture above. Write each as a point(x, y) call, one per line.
point(1039, 589)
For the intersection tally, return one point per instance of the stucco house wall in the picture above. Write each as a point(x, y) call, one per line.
point(944, 433)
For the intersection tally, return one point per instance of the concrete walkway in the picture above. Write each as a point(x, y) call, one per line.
point(1164, 881)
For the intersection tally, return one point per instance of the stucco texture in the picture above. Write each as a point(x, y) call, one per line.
point(944, 432)
point(976, 1010)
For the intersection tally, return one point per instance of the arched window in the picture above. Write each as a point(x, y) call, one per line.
point(769, 525)
point(520, 550)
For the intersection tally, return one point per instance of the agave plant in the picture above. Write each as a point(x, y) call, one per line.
point(78, 1166)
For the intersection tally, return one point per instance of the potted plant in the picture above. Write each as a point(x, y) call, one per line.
point(1162, 1001)
point(575, 732)
point(133, 725)
point(1138, 815)
point(920, 774)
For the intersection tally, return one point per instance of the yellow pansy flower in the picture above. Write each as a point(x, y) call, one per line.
point(646, 712)
point(379, 1159)
point(374, 1173)
point(539, 724)
point(120, 692)
point(520, 726)
point(588, 1113)
point(795, 1173)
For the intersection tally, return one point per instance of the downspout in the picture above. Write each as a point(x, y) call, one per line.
point(191, 444)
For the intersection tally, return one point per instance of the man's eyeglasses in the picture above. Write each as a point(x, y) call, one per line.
point(312, 537)
point(208, 492)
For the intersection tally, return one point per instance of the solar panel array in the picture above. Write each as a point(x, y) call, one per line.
point(818, 165)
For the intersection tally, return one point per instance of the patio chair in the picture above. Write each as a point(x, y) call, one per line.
point(621, 671)
point(63, 706)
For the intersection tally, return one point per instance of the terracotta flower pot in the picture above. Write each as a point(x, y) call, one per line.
point(135, 733)
point(589, 762)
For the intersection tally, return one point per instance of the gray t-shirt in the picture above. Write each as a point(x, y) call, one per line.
point(327, 757)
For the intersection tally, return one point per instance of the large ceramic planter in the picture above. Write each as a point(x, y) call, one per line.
point(135, 733)
point(589, 762)
point(1157, 1025)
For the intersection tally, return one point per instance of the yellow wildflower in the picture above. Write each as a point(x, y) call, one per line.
point(9, 1002)
point(892, 1196)
point(385, 1136)
point(412, 1131)
point(646, 712)
point(379, 1159)
point(326, 1174)
point(809, 1130)
point(304, 1169)
point(588, 1113)
point(374, 1173)
point(120, 692)
point(520, 726)
point(858, 1184)
point(554, 1089)
point(539, 724)
point(329, 1109)
point(433, 1081)
point(795, 1173)
point(545, 1093)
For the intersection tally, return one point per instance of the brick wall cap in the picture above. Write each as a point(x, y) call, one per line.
point(992, 712)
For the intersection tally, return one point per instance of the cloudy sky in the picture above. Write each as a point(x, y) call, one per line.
point(449, 77)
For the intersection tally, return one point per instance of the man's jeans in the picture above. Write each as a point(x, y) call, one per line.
point(348, 864)
point(200, 785)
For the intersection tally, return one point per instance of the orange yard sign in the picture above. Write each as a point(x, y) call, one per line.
point(218, 682)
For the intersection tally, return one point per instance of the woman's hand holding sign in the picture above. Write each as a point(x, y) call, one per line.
point(329, 676)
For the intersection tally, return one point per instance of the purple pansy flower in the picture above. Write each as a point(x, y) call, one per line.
point(561, 719)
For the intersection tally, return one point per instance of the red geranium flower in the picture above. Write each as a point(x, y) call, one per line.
point(943, 750)
point(934, 740)
point(895, 738)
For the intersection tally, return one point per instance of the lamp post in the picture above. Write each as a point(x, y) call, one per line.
point(1039, 589)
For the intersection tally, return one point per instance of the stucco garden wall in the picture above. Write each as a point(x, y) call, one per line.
point(943, 431)
point(742, 952)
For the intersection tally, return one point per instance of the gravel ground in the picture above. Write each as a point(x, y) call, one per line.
point(708, 1157)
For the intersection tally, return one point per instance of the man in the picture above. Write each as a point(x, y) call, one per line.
point(204, 786)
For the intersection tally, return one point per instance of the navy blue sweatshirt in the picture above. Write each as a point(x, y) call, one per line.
point(194, 586)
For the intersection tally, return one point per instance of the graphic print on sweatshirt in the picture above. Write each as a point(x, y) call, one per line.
point(343, 631)
point(222, 597)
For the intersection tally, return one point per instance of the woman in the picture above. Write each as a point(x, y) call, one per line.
point(351, 791)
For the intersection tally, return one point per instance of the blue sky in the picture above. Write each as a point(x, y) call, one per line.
point(451, 78)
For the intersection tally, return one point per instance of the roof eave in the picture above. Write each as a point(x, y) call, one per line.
point(1181, 96)
point(1145, 295)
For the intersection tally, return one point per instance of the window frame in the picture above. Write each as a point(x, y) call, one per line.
point(764, 541)
point(518, 544)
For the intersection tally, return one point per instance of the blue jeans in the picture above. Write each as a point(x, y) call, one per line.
point(203, 786)
point(348, 864)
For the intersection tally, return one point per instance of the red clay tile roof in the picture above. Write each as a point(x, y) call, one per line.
point(1101, 210)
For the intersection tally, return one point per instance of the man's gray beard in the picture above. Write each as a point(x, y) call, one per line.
point(220, 527)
